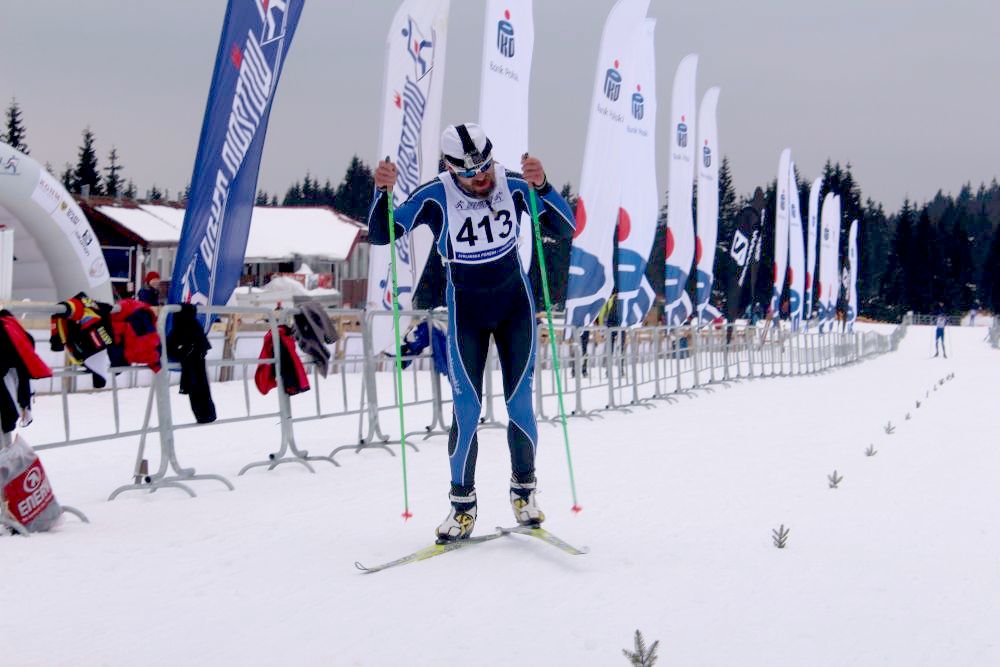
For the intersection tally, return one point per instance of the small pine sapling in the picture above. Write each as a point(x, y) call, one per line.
point(642, 656)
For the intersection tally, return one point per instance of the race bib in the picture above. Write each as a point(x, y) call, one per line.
point(480, 230)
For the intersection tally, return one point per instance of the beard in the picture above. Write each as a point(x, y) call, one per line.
point(480, 185)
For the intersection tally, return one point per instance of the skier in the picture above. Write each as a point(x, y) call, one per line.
point(474, 208)
point(940, 322)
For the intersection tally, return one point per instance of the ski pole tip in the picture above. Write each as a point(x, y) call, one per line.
point(576, 509)
point(407, 515)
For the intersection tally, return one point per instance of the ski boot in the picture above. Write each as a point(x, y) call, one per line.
point(461, 519)
point(524, 503)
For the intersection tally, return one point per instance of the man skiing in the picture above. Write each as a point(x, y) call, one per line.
point(474, 209)
point(940, 322)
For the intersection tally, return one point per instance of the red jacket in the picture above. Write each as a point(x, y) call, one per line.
point(134, 325)
point(293, 373)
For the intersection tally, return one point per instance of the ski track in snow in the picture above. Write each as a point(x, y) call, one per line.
point(898, 566)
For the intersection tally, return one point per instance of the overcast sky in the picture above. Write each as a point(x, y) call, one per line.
point(906, 91)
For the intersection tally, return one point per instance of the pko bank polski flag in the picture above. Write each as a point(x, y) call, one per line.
point(852, 283)
point(796, 252)
point(256, 36)
point(811, 248)
point(781, 222)
point(590, 261)
point(640, 193)
point(680, 221)
point(410, 135)
point(707, 229)
point(508, 43)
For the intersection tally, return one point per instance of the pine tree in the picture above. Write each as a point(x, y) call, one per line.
point(155, 194)
point(261, 198)
point(130, 190)
point(991, 275)
point(642, 657)
point(15, 132)
point(960, 283)
point(873, 242)
point(274, 200)
point(354, 194)
point(112, 181)
point(728, 210)
point(924, 271)
point(293, 197)
point(66, 177)
point(86, 173)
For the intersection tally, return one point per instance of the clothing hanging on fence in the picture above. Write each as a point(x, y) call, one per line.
point(313, 332)
point(19, 364)
point(84, 331)
point(418, 338)
point(134, 325)
point(293, 373)
point(188, 345)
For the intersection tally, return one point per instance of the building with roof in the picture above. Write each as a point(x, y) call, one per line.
point(140, 237)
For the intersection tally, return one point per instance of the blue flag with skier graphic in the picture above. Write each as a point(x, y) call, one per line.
point(256, 36)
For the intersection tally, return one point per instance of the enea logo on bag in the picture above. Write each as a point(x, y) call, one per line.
point(682, 133)
point(613, 83)
point(706, 155)
point(505, 35)
point(638, 103)
point(29, 493)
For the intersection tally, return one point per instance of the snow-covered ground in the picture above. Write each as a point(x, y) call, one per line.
point(898, 566)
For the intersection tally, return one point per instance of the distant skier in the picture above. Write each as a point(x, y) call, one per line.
point(474, 209)
point(940, 322)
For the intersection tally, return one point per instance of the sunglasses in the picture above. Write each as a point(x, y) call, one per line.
point(471, 173)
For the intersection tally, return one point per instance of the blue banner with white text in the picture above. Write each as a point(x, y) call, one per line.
point(256, 36)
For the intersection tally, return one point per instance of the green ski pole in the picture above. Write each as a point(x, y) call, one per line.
point(533, 198)
point(390, 205)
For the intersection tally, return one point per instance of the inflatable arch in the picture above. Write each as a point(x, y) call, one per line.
point(56, 253)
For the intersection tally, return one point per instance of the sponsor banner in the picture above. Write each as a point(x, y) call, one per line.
point(826, 284)
point(640, 192)
point(256, 36)
point(708, 203)
point(796, 252)
point(811, 248)
point(780, 232)
point(590, 280)
point(410, 135)
point(834, 293)
point(59, 205)
point(508, 43)
point(852, 279)
point(680, 221)
point(744, 255)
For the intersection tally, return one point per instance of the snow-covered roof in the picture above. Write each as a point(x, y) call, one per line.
point(276, 233)
point(152, 228)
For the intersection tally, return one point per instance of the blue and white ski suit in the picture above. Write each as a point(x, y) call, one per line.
point(488, 293)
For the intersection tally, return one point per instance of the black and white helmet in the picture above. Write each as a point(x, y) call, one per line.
point(466, 147)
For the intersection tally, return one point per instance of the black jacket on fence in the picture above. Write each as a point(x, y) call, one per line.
point(313, 331)
point(188, 345)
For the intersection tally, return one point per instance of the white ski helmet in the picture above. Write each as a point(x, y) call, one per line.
point(466, 147)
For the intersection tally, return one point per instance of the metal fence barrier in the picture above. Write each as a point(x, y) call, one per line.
point(602, 369)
